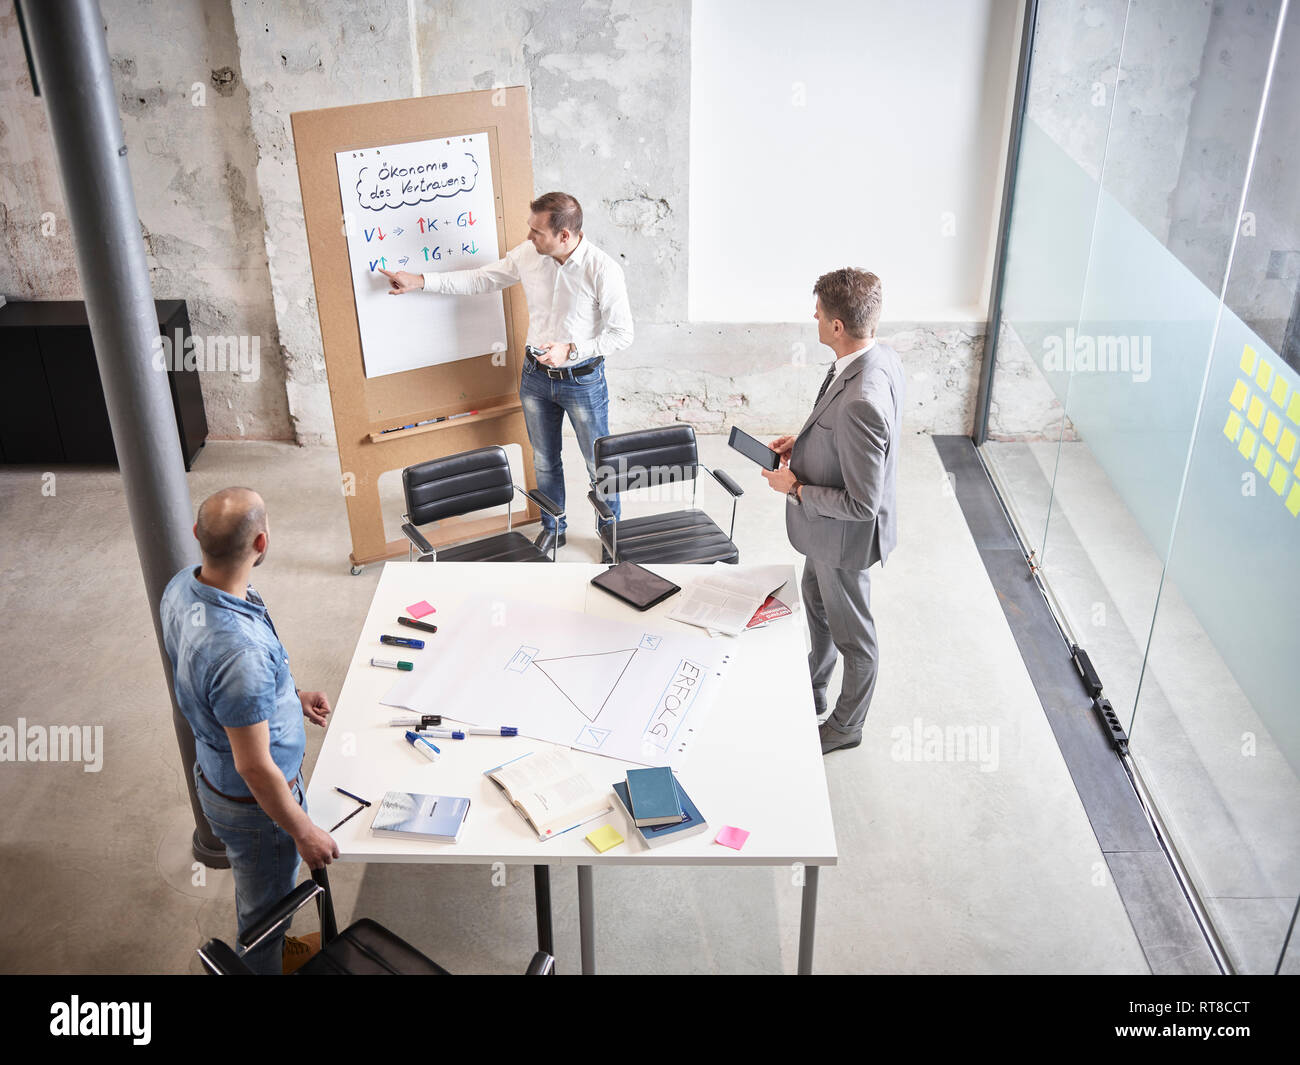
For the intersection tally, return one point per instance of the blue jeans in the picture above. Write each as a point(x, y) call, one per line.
point(586, 400)
point(265, 863)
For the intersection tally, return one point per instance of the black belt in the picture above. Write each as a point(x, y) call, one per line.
point(247, 800)
point(558, 373)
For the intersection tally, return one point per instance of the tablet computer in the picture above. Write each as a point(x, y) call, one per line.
point(636, 586)
point(754, 449)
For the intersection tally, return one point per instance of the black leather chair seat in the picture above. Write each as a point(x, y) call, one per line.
point(504, 547)
point(682, 536)
point(368, 949)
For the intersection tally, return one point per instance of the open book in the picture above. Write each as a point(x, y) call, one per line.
point(550, 792)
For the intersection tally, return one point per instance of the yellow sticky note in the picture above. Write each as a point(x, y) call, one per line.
point(1246, 445)
point(1279, 479)
point(1263, 460)
point(1293, 408)
point(1233, 426)
point(1293, 500)
point(1264, 375)
point(605, 837)
point(1272, 425)
point(1239, 393)
point(1279, 391)
point(1248, 361)
point(1255, 412)
point(1285, 446)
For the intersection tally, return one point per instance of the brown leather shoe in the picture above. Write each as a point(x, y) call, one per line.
point(298, 950)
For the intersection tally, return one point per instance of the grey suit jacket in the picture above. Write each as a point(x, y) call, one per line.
point(846, 457)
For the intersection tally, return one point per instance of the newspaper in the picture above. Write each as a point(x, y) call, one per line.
point(725, 600)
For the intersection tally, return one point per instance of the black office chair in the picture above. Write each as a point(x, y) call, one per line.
point(648, 457)
point(364, 948)
point(458, 484)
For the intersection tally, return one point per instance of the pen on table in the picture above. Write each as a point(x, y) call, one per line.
point(402, 641)
point(388, 663)
point(422, 625)
point(424, 746)
point(423, 721)
point(444, 733)
point(348, 818)
point(363, 802)
point(504, 730)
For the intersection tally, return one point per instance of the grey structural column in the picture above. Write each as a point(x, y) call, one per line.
point(71, 59)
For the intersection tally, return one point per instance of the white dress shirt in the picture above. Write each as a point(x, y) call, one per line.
point(843, 364)
point(582, 302)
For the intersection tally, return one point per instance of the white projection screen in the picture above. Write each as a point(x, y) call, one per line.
point(828, 134)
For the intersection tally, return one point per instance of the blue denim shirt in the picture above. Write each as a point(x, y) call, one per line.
point(231, 670)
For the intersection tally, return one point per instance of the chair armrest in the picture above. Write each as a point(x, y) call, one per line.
point(725, 479)
point(280, 913)
point(417, 538)
point(541, 965)
point(219, 960)
point(602, 508)
point(544, 501)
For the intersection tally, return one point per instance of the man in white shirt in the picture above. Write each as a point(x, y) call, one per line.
point(577, 314)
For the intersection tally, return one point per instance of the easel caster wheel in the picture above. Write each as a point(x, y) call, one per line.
point(356, 571)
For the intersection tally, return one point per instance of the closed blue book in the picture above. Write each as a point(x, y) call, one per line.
point(413, 816)
point(691, 824)
point(654, 797)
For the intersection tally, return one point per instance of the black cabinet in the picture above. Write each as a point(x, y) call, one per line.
point(52, 406)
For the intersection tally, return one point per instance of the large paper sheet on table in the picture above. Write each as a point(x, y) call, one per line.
point(425, 207)
point(629, 691)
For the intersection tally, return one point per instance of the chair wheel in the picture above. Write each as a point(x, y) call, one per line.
point(356, 571)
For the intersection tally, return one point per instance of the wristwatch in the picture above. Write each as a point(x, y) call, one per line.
point(793, 494)
point(573, 352)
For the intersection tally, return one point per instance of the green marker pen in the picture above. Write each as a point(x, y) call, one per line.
point(388, 663)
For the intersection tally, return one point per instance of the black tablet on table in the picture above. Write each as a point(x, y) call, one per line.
point(635, 585)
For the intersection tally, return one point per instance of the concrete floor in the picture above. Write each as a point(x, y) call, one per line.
point(953, 866)
point(1233, 819)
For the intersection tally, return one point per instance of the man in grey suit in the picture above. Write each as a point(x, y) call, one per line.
point(839, 476)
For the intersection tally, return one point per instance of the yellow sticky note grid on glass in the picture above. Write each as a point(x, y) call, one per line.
point(604, 838)
point(1279, 391)
point(1246, 445)
point(1279, 479)
point(1248, 361)
point(1239, 394)
point(1264, 375)
point(1263, 460)
point(1255, 412)
point(1233, 426)
point(1285, 446)
point(1272, 426)
point(1293, 500)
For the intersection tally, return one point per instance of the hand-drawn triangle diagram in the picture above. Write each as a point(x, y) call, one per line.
point(587, 681)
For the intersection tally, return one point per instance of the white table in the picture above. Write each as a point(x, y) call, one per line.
point(756, 765)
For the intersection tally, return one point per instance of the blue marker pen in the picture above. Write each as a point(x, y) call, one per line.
point(504, 730)
point(425, 747)
point(444, 733)
point(403, 641)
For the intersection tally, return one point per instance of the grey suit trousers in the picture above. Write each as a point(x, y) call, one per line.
point(838, 602)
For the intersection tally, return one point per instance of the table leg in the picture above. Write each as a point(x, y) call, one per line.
point(808, 919)
point(586, 922)
point(542, 893)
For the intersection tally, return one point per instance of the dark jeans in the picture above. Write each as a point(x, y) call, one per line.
point(546, 401)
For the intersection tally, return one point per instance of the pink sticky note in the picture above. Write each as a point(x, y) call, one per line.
point(418, 610)
point(732, 837)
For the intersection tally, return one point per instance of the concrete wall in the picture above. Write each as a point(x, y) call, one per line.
point(185, 114)
point(220, 207)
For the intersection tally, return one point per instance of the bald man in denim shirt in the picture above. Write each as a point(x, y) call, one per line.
point(234, 686)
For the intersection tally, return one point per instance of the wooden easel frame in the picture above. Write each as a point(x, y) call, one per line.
point(364, 407)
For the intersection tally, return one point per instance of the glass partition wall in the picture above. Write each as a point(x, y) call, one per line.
point(1144, 415)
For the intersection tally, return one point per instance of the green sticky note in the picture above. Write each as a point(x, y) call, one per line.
point(605, 837)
